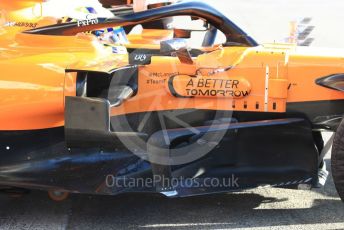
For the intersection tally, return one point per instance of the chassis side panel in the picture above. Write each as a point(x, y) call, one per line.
point(281, 155)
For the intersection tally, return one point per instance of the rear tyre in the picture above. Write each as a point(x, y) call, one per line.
point(337, 160)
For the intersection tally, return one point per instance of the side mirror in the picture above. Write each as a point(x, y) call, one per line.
point(177, 47)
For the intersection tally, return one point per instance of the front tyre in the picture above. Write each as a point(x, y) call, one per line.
point(337, 160)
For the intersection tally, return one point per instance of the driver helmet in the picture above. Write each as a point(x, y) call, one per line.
point(115, 37)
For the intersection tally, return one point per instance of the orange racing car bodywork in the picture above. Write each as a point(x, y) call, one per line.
point(37, 103)
point(56, 78)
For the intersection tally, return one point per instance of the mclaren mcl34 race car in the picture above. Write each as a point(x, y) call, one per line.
point(88, 106)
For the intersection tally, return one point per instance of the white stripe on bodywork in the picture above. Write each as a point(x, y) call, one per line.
point(266, 98)
point(286, 58)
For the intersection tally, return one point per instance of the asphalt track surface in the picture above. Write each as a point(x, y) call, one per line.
point(253, 209)
point(268, 208)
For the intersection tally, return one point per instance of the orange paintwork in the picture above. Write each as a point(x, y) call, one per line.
point(18, 5)
point(276, 67)
point(34, 82)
